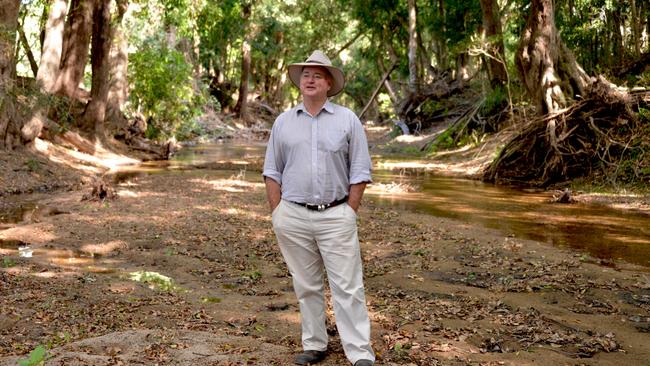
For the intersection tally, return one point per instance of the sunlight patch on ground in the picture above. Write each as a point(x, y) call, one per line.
point(51, 274)
point(101, 159)
point(230, 185)
point(411, 138)
point(290, 317)
point(105, 248)
point(145, 194)
point(244, 212)
point(28, 234)
point(127, 193)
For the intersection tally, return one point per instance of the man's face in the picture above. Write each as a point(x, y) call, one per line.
point(315, 82)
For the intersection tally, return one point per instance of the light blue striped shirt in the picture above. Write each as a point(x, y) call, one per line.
point(315, 159)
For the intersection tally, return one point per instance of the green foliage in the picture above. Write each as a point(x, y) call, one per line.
point(8, 262)
point(60, 111)
point(33, 165)
point(155, 280)
point(644, 115)
point(495, 101)
point(644, 79)
point(37, 357)
point(189, 129)
point(253, 275)
point(162, 87)
point(211, 300)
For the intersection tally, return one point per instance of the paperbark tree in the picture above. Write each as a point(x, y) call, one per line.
point(547, 67)
point(241, 108)
point(413, 48)
point(48, 69)
point(441, 42)
point(493, 32)
point(10, 127)
point(76, 41)
point(119, 85)
point(95, 111)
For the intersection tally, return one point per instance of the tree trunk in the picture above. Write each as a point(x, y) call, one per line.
point(241, 108)
point(635, 24)
point(462, 73)
point(48, 70)
point(413, 48)
point(28, 51)
point(9, 125)
point(387, 85)
point(546, 66)
point(441, 52)
point(618, 51)
point(119, 86)
point(493, 32)
point(95, 111)
point(76, 40)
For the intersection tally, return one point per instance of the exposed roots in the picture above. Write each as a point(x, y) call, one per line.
point(601, 137)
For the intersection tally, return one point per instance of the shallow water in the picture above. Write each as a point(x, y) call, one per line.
point(598, 231)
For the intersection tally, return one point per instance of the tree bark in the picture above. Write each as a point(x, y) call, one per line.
point(462, 73)
point(493, 32)
point(387, 85)
point(28, 51)
point(48, 69)
point(9, 126)
point(119, 86)
point(374, 93)
point(546, 66)
point(413, 48)
point(241, 108)
point(95, 111)
point(76, 40)
point(618, 51)
point(441, 44)
point(635, 24)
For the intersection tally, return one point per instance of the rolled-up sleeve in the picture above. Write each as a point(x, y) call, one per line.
point(360, 164)
point(273, 164)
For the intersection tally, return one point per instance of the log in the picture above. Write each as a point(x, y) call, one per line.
point(379, 85)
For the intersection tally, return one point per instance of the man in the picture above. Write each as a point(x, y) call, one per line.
point(316, 168)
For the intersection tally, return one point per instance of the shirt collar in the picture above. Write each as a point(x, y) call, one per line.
point(327, 107)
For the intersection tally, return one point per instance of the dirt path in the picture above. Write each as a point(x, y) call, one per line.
point(183, 269)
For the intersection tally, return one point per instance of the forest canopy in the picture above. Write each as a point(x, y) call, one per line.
point(100, 65)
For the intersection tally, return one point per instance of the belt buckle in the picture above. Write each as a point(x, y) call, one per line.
point(321, 208)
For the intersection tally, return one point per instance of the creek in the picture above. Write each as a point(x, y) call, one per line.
point(599, 232)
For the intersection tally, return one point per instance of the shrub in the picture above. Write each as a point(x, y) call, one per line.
point(163, 89)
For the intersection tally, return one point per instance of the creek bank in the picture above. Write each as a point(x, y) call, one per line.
point(183, 254)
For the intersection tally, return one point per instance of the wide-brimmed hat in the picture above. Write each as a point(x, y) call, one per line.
point(318, 58)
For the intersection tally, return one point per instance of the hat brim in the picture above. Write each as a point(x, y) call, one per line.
point(338, 79)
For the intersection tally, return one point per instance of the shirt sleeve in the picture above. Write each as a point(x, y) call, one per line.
point(273, 163)
point(360, 164)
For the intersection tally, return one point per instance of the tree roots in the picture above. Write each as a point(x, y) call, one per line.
point(602, 137)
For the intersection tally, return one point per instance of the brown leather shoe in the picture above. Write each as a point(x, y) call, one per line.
point(310, 357)
point(364, 363)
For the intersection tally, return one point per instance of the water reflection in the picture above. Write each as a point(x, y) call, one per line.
point(600, 231)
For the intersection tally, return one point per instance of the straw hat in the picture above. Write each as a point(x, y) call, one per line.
point(318, 58)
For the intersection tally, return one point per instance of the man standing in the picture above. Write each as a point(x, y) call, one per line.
point(316, 168)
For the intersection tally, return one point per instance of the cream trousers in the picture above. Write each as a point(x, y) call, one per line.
point(310, 240)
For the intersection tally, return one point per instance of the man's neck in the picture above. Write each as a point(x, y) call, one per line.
point(313, 106)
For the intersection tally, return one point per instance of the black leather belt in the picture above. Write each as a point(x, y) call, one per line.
point(322, 207)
